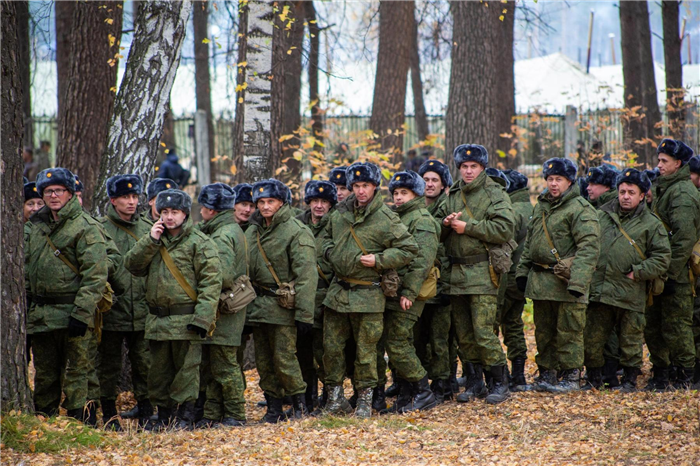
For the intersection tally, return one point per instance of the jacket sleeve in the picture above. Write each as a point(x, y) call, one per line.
point(585, 229)
point(426, 237)
point(440, 215)
point(401, 247)
point(139, 257)
point(327, 239)
point(498, 228)
point(684, 237)
point(226, 248)
point(91, 255)
point(302, 255)
point(207, 271)
point(658, 252)
point(525, 263)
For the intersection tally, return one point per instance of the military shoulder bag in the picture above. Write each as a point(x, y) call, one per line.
point(286, 293)
point(562, 269)
point(655, 286)
point(390, 280)
point(241, 293)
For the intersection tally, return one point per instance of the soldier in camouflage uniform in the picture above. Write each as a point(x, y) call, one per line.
point(487, 221)
point(62, 306)
point(668, 332)
point(32, 201)
point(291, 254)
point(338, 178)
point(402, 313)
point(182, 310)
point(695, 178)
point(225, 403)
point(559, 306)
point(152, 190)
point(355, 301)
point(618, 292)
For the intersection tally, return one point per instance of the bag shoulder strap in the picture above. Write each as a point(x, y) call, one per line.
point(267, 261)
point(170, 264)
point(632, 242)
point(245, 245)
point(124, 229)
point(323, 275)
point(549, 239)
point(362, 247)
point(57, 253)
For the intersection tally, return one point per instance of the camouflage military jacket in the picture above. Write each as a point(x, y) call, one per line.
point(604, 198)
point(441, 255)
point(290, 248)
point(195, 254)
point(231, 244)
point(381, 232)
point(128, 314)
point(677, 203)
point(325, 275)
point(493, 224)
point(522, 208)
point(79, 238)
point(573, 226)
point(618, 257)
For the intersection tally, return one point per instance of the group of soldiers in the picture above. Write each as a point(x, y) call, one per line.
point(351, 286)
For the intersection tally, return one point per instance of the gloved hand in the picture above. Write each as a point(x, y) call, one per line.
point(303, 328)
point(521, 283)
point(197, 329)
point(247, 330)
point(575, 294)
point(76, 328)
point(669, 287)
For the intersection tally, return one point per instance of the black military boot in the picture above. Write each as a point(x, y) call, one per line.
point(673, 374)
point(454, 385)
point(146, 412)
point(448, 394)
point(364, 403)
point(438, 388)
point(545, 380)
point(423, 397)
point(610, 373)
point(274, 412)
point(109, 415)
point(467, 368)
point(517, 381)
point(132, 413)
point(570, 382)
point(594, 379)
point(337, 403)
point(231, 422)
point(629, 380)
point(659, 381)
point(475, 386)
point(324, 397)
point(48, 411)
point(161, 422)
point(312, 392)
point(696, 374)
point(379, 399)
point(199, 406)
point(498, 389)
point(405, 396)
point(393, 389)
point(684, 378)
point(186, 416)
point(488, 380)
point(206, 423)
point(299, 407)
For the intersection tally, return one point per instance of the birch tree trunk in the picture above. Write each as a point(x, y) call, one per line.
point(139, 111)
point(13, 365)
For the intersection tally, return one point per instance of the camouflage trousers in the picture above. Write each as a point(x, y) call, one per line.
point(276, 360)
point(92, 375)
point(696, 324)
point(338, 328)
point(510, 321)
point(474, 317)
point(225, 383)
point(240, 355)
point(431, 335)
point(397, 340)
point(110, 367)
point(61, 364)
point(173, 377)
point(603, 320)
point(668, 333)
point(559, 328)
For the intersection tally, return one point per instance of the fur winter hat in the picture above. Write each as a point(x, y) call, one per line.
point(121, 185)
point(694, 163)
point(604, 175)
point(517, 180)
point(217, 196)
point(78, 184)
point(442, 170)
point(652, 174)
point(174, 199)
point(30, 191)
point(634, 176)
point(559, 166)
point(409, 180)
point(321, 190)
point(159, 184)
point(470, 153)
point(58, 176)
point(498, 176)
point(583, 186)
point(270, 188)
point(676, 149)
point(362, 172)
point(243, 192)
point(337, 176)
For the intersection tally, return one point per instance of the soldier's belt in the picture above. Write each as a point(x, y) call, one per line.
point(177, 310)
point(352, 284)
point(543, 267)
point(49, 300)
point(469, 260)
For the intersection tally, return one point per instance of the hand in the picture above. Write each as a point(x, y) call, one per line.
point(630, 275)
point(521, 283)
point(450, 218)
point(575, 294)
point(369, 260)
point(303, 328)
point(76, 328)
point(197, 329)
point(458, 226)
point(157, 229)
point(406, 303)
point(669, 287)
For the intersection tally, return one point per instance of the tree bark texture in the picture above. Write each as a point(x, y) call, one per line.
point(642, 107)
point(674, 68)
point(24, 70)
point(314, 57)
point(64, 25)
point(396, 20)
point(417, 85)
point(239, 120)
point(505, 94)
point(89, 95)
point(475, 107)
point(139, 111)
point(200, 16)
point(15, 378)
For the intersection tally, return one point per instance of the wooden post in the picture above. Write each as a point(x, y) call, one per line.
point(570, 132)
point(590, 39)
point(201, 144)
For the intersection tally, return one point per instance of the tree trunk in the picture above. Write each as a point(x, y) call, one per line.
point(139, 111)
point(505, 94)
point(200, 16)
point(417, 85)
point(89, 95)
point(642, 108)
point(13, 365)
point(64, 25)
point(674, 69)
point(24, 70)
point(314, 56)
point(393, 61)
point(237, 166)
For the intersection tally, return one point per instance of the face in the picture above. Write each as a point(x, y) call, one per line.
point(364, 192)
point(56, 196)
point(557, 185)
point(319, 207)
point(173, 218)
point(154, 212)
point(470, 170)
point(403, 195)
point(596, 190)
point(242, 211)
point(629, 195)
point(126, 205)
point(343, 192)
point(207, 213)
point(79, 195)
point(433, 184)
point(31, 206)
point(668, 165)
point(695, 178)
point(268, 206)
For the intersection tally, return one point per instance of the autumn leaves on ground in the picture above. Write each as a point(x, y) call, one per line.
point(530, 428)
